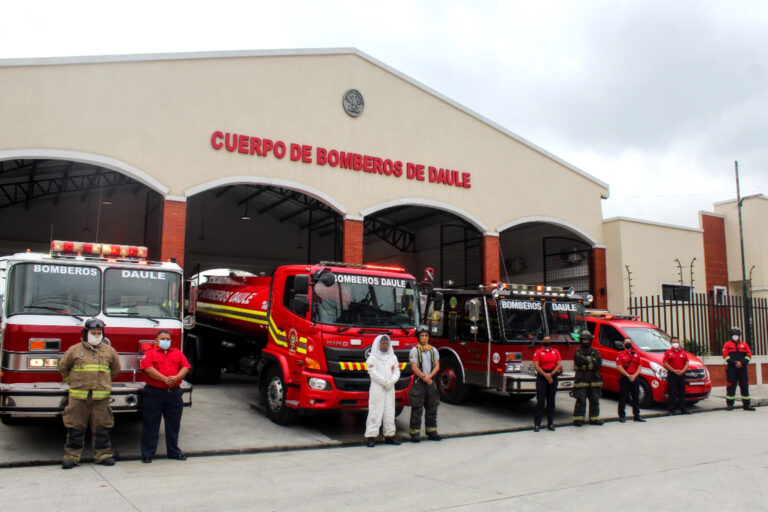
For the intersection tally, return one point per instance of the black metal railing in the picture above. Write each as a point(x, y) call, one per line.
point(702, 324)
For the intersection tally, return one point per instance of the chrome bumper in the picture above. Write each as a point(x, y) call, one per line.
point(43, 399)
point(525, 384)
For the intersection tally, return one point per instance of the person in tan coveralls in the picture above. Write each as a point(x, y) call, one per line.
point(89, 368)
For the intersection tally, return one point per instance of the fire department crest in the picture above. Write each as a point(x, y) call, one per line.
point(353, 103)
point(293, 338)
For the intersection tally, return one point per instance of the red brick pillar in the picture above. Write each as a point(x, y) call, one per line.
point(174, 228)
point(715, 258)
point(599, 279)
point(491, 270)
point(352, 251)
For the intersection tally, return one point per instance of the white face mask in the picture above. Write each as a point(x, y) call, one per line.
point(735, 337)
point(94, 340)
point(675, 346)
point(164, 344)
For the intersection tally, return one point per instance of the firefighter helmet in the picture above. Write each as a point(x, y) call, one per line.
point(585, 335)
point(736, 331)
point(90, 324)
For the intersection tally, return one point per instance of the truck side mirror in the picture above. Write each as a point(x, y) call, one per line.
point(437, 299)
point(473, 310)
point(327, 277)
point(301, 284)
point(301, 304)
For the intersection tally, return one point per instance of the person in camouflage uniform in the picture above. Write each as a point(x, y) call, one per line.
point(588, 382)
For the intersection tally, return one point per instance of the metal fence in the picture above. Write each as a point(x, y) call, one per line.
point(703, 325)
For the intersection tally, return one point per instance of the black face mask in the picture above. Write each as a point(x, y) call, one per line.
point(546, 343)
point(628, 346)
point(586, 343)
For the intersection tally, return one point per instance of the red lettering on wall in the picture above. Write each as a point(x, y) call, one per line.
point(279, 150)
point(321, 156)
point(295, 152)
point(216, 140)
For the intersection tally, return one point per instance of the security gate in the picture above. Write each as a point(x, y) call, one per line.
point(460, 256)
point(568, 262)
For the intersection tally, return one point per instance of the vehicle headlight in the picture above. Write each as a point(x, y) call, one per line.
point(319, 384)
point(514, 367)
point(659, 371)
point(41, 362)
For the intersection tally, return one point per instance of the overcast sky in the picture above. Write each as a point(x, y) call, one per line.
point(656, 98)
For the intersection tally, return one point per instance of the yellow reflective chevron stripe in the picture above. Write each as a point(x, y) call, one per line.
point(277, 335)
point(246, 315)
point(92, 368)
point(351, 366)
point(301, 346)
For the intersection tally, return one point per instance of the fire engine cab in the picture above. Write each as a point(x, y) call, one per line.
point(487, 337)
point(45, 299)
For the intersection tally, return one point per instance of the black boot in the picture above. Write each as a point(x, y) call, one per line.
point(729, 405)
point(748, 405)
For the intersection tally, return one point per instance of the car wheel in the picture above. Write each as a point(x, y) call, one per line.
point(644, 395)
point(450, 383)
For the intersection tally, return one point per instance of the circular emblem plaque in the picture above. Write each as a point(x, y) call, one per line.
point(353, 102)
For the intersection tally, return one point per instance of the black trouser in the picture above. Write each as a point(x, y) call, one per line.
point(584, 391)
point(423, 396)
point(676, 391)
point(545, 397)
point(738, 376)
point(168, 404)
point(628, 388)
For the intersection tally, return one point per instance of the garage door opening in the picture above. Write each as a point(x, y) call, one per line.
point(256, 228)
point(543, 253)
point(46, 199)
point(416, 237)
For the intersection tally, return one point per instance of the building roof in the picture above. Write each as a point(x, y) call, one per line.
point(651, 223)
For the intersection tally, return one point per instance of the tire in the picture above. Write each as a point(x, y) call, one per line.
point(7, 419)
point(273, 393)
point(644, 395)
point(450, 383)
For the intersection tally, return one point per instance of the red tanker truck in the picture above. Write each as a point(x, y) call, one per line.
point(306, 332)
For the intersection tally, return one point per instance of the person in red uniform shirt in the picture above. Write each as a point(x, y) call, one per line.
point(676, 363)
point(737, 354)
point(548, 366)
point(628, 364)
point(164, 367)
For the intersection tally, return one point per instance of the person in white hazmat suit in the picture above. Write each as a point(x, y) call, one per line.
point(384, 370)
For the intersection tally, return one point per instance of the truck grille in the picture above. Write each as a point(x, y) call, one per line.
point(696, 374)
point(350, 362)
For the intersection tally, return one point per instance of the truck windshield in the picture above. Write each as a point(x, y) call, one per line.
point(142, 293)
point(649, 340)
point(522, 319)
point(366, 301)
point(563, 318)
point(52, 289)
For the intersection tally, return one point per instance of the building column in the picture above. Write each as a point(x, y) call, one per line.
point(491, 256)
point(173, 231)
point(352, 250)
point(599, 279)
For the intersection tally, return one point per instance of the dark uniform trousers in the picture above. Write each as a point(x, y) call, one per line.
point(738, 376)
point(676, 391)
point(165, 403)
point(77, 416)
point(628, 389)
point(545, 399)
point(423, 396)
point(583, 391)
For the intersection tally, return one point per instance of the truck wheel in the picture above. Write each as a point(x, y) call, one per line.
point(450, 383)
point(273, 397)
point(644, 395)
point(196, 373)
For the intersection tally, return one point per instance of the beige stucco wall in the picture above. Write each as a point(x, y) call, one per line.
point(157, 117)
point(754, 215)
point(649, 249)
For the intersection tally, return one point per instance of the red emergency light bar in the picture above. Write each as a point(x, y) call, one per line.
point(366, 266)
point(99, 250)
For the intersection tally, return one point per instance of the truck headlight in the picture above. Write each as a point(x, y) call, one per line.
point(514, 367)
point(41, 362)
point(319, 384)
point(659, 371)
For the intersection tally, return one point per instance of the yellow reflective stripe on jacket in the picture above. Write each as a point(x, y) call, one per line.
point(99, 394)
point(92, 368)
point(78, 393)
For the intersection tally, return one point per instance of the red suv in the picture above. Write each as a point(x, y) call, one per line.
point(650, 342)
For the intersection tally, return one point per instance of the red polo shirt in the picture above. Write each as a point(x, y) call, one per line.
point(630, 357)
point(166, 362)
point(676, 358)
point(547, 357)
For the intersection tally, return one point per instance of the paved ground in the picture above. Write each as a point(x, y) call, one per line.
point(708, 461)
point(221, 421)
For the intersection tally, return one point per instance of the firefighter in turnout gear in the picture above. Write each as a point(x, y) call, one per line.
point(588, 382)
point(737, 354)
point(425, 363)
point(89, 367)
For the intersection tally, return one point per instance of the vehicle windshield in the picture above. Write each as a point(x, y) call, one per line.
point(366, 301)
point(142, 293)
point(52, 289)
point(649, 339)
point(522, 319)
point(563, 318)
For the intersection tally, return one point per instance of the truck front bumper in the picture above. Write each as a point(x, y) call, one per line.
point(344, 392)
point(525, 384)
point(48, 399)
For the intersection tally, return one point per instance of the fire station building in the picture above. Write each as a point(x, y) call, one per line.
point(251, 160)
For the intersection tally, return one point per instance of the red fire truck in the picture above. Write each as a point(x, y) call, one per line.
point(46, 297)
point(486, 337)
point(306, 332)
